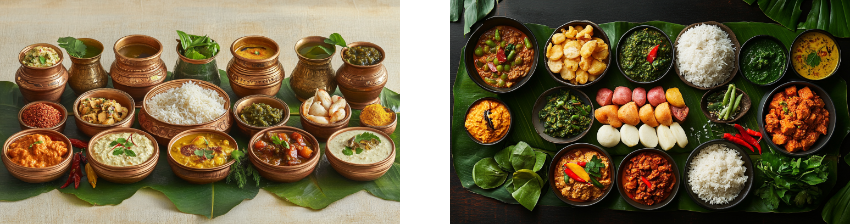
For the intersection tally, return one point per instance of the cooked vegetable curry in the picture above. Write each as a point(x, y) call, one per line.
point(362, 55)
point(102, 111)
point(503, 56)
point(565, 115)
point(255, 51)
point(37, 151)
point(282, 149)
point(648, 178)
point(796, 119)
point(205, 150)
point(815, 55)
point(578, 191)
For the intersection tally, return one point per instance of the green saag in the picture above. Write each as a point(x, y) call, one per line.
point(565, 115)
point(791, 180)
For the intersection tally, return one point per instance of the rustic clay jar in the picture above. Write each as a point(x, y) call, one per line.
point(201, 69)
point(163, 132)
point(199, 175)
point(87, 73)
point(361, 84)
point(285, 173)
point(137, 76)
point(37, 175)
point(240, 104)
point(255, 76)
point(311, 74)
point(111, 94)
point(123, 174)
point(46, 83)
point(356, 171)
point(63, 113)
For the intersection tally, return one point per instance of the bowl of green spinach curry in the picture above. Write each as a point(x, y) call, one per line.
point(562, 115)
point(644, 54)
point(763, 59)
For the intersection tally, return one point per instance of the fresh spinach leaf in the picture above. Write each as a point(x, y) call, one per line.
point(487, 174)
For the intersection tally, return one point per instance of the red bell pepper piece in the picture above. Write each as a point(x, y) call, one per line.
point(645, 181)
point(573, 175)
point(652, 53)
point(501, 56)
point(582, 164)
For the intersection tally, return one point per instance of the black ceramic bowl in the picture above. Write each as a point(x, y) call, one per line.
point(838, 64)
point(621, 171)
point(553, 169)
point(597, 32)
point(622, 42)
point(744, 191)
point(506, 132)
point(541, 102)
point(745, 105)
point(732, 38)
point(753, 40)
point(470, 51)
point(763, 110)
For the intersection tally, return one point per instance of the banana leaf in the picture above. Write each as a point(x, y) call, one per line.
point(473, 10)
point(466, 152)
point(829, 15)
point(321, 188)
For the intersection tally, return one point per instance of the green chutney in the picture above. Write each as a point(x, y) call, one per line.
point(764, 61)
point(634, 53)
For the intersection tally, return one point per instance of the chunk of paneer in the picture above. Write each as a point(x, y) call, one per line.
point(810, 139)
point(812, 119)
point(786, 127)
point(804, 108)
point(791, 91)
point(824, 122)
point(805, 93)
point(793, 146)
point(780, 139)
point(777, 99)
point(818, 102)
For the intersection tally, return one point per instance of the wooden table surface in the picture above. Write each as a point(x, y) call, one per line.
point(468, 207)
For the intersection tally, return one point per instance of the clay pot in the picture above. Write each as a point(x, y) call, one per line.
point(323, 131)
point(199, 175)
point(311, 74)
point(356, 171)
point(255, 76)
point(240, 104)
point(87, 73)
point(164, 132)
point(123, 174)
point(285, 173)
point(111, 94)
point(137, 76)
point(46, 83)
point(361, 84)
point(37, 175)
point(63, 113)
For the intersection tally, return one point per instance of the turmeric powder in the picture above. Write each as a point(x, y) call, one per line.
point(376, 115)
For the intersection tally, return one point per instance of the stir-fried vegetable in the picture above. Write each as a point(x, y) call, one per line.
point(564, 115)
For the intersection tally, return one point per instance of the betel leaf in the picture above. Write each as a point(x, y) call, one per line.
point(540, 159)
point(487, 174)
point(522, 157)
point(73, 46)
point(475, 10)
point(503, 158)
point(812, 59)
point(829, 15)
point(528, 187)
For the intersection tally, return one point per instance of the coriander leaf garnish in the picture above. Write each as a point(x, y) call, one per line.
point(359, 150)
point(42, 59)
point(121, 146)
point(347, 151)
point(206, 153)
point(278, 141)
point(35, 143)
point(812, 59)
point(73, 46)
point(366, 136)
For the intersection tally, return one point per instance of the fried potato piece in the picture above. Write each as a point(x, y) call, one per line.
point(663, 114)
point(596, 67)
point(558, 38)
point(600, 44)
point(555, 65)
point(567, 74)
point(588, 48)
point(585, 33)
point(549, 50)
point(571, 64)
point(674, 97)
point(578, 30)
point(592, 78)
point(584, 64)
point(608, 115)
point(557, 52)
point(581, 77)
point(629, 114)
point(571, 49)
point(570, 34)
point(647, 115)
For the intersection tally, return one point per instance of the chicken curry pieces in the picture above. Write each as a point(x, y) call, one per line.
point(796, 119)
point(583, 190)
point(648, 178)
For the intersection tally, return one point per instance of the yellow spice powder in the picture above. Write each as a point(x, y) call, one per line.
point(376, 115)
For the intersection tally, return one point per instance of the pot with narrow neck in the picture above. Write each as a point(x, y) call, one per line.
point(361, 84)
point(87, 73)
point(314, 70)
point(41, 83)
point(137, 67)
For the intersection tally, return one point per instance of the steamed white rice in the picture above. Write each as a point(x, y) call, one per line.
point(717, 174)
point(705, 55)
point(186, 105)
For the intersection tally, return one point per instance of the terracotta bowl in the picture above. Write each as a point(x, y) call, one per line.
point(732, 38)
point(164, 132)
point(323, 131)
point(59, 127)
point(240, 104)
point(199, 175)
point(285, 173)
point(361, 172)
point(37, 175)
point(389, 128)
point(121, 97)
point(125, 174)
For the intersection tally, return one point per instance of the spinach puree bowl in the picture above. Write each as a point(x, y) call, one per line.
point(469, 52)
point(742, 62)
point(622, 42)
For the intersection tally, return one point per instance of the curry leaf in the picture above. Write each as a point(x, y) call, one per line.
point(487, 174)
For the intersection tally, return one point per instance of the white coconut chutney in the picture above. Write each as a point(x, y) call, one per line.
point(376, 154)
point(102, 152)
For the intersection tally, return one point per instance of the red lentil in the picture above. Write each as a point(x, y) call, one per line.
point(41, 115)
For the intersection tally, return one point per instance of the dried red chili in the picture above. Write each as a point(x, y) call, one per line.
point(79, 143)
point(41, 115)
point(75, 173)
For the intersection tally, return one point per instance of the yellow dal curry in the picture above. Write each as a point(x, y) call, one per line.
point(255, 51)
point(814, 55)
point(186, 150)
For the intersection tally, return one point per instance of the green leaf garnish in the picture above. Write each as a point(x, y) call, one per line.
point(118, 151)
point(42, 59)
point(347, 151)
point(278, 141)
point(366, 136)
point(197, 47)
point(358, 150)
point(130, 153)
point(336, 39)
point(35, 143)
point(811, 60)
point(73, 46)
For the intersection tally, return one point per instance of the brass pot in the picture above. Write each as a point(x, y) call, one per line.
point(255, 76)
point(87, 73)
point(46, 83)
point(311, 74)
point(361, 84)
point(137, 76)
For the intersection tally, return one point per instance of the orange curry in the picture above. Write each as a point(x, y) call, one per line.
point(796, 119)
point(37, 151)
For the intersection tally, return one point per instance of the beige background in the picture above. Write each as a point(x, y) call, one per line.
point(28, 22)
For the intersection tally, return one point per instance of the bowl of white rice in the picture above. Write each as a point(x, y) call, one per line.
point(175, 106)
point(718, 174)
point(706, 55)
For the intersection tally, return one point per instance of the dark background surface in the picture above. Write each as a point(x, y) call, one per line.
point(468, 207)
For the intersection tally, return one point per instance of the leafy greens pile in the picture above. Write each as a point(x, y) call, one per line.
point(197, 47)
point(524, 162)
point(564, 115)
point(791, 180)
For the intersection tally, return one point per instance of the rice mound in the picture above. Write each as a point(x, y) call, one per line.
point(188, 104)
point(717, 174)
point(705, 55)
